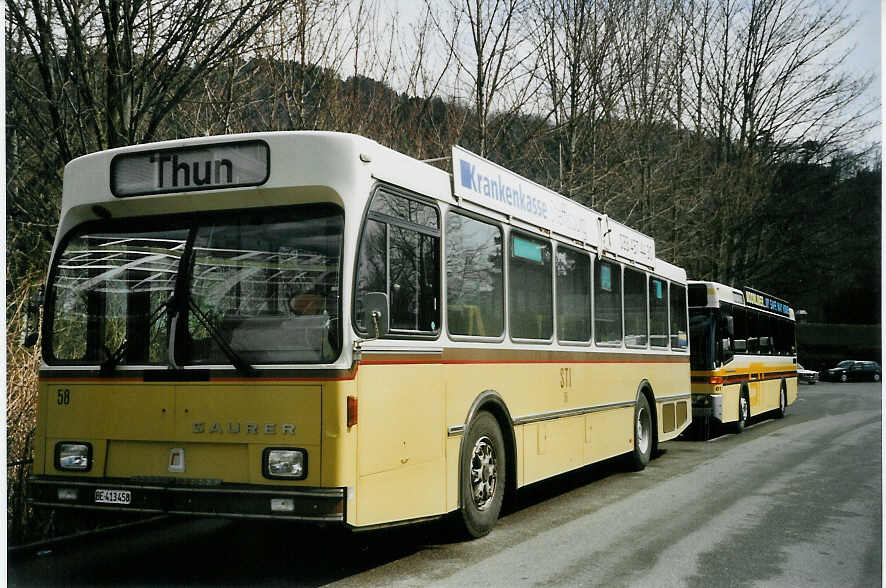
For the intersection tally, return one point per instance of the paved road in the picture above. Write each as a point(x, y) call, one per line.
point(795, 502)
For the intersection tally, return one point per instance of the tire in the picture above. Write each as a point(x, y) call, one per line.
point(483, 476)
point(844, 378)
point(876, 377)
point(644, 436)
point(744, 412)
point(782, 402)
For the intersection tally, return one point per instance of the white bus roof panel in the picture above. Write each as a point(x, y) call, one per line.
point(343, 163)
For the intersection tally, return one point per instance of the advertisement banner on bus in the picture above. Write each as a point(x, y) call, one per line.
point(765, 301)
point(490, 185)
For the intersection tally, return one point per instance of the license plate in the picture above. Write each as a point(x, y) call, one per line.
point(113, 496)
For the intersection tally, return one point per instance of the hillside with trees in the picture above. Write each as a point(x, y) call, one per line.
point(726, 129)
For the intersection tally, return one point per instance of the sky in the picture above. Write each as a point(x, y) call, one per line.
point(865, 58)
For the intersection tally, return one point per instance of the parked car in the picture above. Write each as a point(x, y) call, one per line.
point(808, 376)
point(853, 370)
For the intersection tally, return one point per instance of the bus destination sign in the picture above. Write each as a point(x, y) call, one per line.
point(766, 302)
point(205, 167)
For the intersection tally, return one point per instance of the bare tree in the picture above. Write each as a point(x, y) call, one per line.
point(765, 77)
point(491, 57)
point(303, 52)
point(110, 72)
point(85, 75)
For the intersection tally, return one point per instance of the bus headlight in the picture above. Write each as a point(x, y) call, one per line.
point(73, 456)
point(285, 463)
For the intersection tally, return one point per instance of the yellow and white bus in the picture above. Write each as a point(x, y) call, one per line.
point(744, 354)
point(311, 326)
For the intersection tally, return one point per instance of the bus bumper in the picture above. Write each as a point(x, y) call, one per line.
point(188, 497)
point(707, 406)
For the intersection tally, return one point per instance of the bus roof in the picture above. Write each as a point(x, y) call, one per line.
point(750, 297)
point(260, 169)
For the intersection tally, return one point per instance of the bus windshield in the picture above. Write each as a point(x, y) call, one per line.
point(701, 337)
point(260, 285)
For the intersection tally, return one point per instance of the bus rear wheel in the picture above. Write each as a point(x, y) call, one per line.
point(483, 470)
point(782, 402)
point(643, 435)
point(744, 412)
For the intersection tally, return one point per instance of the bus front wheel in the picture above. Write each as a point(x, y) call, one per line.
point(483, 475)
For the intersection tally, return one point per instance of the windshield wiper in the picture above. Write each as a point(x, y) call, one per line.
point(113, 360)
point(238, 362)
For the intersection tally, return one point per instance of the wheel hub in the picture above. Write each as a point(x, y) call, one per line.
point(642, 432)
point(484, 474)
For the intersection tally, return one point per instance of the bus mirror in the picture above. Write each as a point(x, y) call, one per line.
point(375, 314)
point(730, 326)
point(31, 328)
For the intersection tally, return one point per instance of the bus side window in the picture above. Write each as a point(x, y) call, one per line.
point(399, 255)
point(573, 295)
point(474, 277)
point(530, 290)
point(658, 312)
point(740, 328)
point(636, 325)
point(679, 328)
point(607, 303)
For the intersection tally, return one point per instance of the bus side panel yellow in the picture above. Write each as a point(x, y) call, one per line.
point(756, 393)
point(554, 448)
point(453, 447)
point(340, 442)
point(793, 389)
point(400, 494)
point(400, 443)
point(730, 402)
point(520, 441)
point(668, 380)
point(773, 389)
point(39, 444)
point(612, 433)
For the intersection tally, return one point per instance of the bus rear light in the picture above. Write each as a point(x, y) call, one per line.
point(716, 380)
point(352, 411)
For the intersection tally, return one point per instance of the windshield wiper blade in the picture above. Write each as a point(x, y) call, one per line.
point(238, 362)
point(113, 360)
